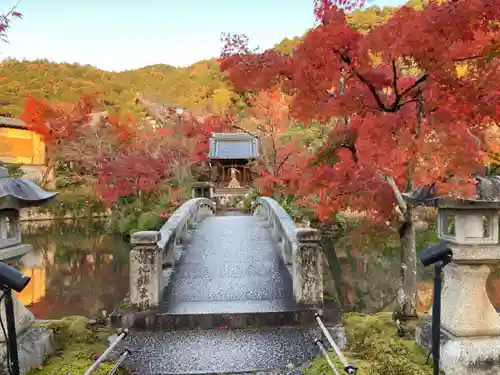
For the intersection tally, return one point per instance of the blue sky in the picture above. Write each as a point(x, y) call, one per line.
point(125, 34)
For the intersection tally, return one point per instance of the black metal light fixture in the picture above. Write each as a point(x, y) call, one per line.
point(11, 279)
point(438, 255)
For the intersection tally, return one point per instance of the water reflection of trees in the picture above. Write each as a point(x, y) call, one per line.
point(364, 266)
point(86, 269)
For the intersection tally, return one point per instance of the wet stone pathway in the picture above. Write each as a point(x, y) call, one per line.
point(214, 351)
point(230, 266)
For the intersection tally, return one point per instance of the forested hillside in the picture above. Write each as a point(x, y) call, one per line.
point(199, 87)
point(190, 87)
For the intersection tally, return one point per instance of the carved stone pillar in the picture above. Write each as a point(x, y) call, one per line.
point(307, 268)
point(146, 273)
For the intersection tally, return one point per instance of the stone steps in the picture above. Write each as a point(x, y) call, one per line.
point(240, 351)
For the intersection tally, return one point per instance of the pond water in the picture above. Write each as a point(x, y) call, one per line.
point(368, 282)
point(76, 269)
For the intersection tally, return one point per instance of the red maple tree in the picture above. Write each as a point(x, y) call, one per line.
point(60, 125)
point(408, 103)
point(119, 157)
point(281, 155)
point(143, 167)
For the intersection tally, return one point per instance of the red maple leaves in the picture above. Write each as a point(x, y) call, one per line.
point(57, 122)
point(282, 156)
point(115, 155)
point(401, 113)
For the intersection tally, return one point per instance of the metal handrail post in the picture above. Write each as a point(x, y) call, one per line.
point(327, 357)
point(348, 368)
point(120, 360)
point(103, 356)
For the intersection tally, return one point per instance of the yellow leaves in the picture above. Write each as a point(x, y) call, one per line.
point(492, 152)
point(366, 19)
point(462, 70)
point(288, 46)
point(375, 58)
point(221, 100)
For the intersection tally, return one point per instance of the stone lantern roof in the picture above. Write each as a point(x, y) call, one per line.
point(17, 193)
point(487, 196)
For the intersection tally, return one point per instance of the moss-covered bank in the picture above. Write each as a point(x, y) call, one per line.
point(78, 344)
point(374, 346)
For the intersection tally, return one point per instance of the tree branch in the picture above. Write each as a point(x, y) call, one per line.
point(459, 59)
point(478, 141)
point(406, 102)
point(373, 90)
point(415, 84)
point(395, 78)
point(397, 193)
point(347, 60)
point(243, 130)
point(284, 161)
point(5, 21)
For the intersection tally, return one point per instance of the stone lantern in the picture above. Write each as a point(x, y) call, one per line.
point(470, 325)
point(202, 190)
point(470, 227)
point(34, 343)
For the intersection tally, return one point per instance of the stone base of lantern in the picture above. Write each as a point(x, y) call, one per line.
point(471, 356)
point(464, 355)
point(33, 345)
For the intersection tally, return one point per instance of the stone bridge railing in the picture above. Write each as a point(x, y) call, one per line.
point(300, 249)
point(154, 253)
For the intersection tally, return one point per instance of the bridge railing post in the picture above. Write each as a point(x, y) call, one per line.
point(307, 268)
point(146, 274)
point(300, 248)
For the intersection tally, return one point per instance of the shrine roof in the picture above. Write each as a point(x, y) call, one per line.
point(8, 122)
point(233, 146)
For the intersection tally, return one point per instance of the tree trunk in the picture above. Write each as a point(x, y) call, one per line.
point(44, 180)
point(334, 267)
point(407, 289)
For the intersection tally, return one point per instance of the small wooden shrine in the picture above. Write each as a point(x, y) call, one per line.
point(230, 157)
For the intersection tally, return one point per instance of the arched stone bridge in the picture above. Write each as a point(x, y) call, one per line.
point(220, 275)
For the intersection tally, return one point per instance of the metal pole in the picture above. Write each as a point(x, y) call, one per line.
point(327, 357)
point(179, 124)
point(119, 362)
point(350, 369)
point(436, 317)
point(11, 332)
point(329, 337)
point(103, 356)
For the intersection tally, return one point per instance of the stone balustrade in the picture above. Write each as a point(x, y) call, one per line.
point(300, 249)
point(154, 253)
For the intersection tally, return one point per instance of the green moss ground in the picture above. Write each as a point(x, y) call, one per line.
point(376, 349)
point(78, 345)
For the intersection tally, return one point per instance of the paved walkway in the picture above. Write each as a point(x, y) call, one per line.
point(230, 265)
point(217, 352)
